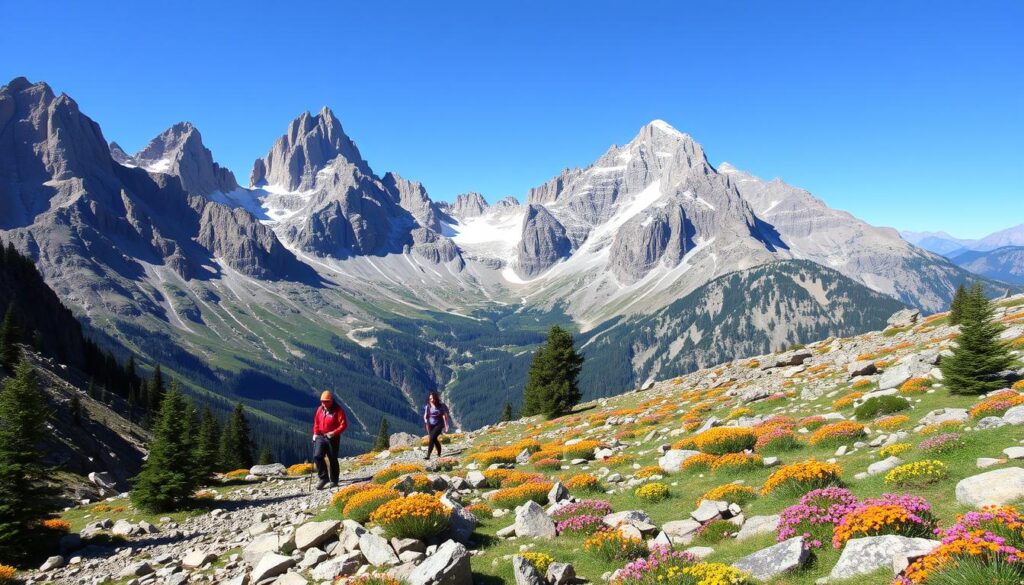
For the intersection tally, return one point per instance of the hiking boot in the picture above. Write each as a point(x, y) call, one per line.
point(334, 484)
point(322, 484)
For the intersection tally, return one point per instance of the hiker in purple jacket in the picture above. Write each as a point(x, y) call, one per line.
point(435, 417)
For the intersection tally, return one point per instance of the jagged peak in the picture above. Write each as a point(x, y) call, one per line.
point(320, 137)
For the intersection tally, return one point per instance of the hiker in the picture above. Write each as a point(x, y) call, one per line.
point(435, 417)
point(328, 424)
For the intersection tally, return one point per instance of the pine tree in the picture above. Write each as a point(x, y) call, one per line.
point(167, 479)
point(207, 455)
point(236, 441)
point(24, 497)
point(956, 308)
point(129, 370)
point(552, 386)
point(506, 413)
point(266, 456)
point(76, 409)
point(382, 443)
point(9, 352)
point(979, 353)
point(155, 394)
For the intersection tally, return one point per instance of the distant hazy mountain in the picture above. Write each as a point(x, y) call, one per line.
point(949, 246)
point(1005, 264)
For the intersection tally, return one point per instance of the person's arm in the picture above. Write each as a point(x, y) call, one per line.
point(445, 416)
point(426, 419)
point(316, 424)
point(339, 426)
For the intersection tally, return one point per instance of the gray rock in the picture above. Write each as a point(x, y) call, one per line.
point(701, 552)
point(991, 422)
point(377, 550)
point(941, 415)
point(312, 558)
point(1015, 415)
point(992, 488)
point(337, 567)
point(706, 512)
point(136, 569)
point(984, 462)
point(681, 531)
point(884, 465)
point(557, 493)
point(54, 562)
point(123, 528)
point(904, 318)
point(313, 534)
point(561, 573)
point(463, 522)
point(396, 440)
point(775, 560)
point(197, 558)
point(476, 479)
point(449, 565)
point(543, 243)
point(103, 480)
point(262, 544)
point(179, 151)
point(757, 526)
point(632, 517)
point(525, 573)
point(862, 556)
point(274, 469)
point(673, 459)
point(271, 565)
point(290, 578)
point(533, 522)
point(861, 368)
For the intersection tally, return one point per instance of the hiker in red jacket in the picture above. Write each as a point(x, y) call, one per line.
point(328, 424)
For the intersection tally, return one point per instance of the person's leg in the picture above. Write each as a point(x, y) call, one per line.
point(435, 441)
point(332, 456)
point(320, 449)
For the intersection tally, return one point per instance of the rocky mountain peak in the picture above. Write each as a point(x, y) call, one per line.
point(310, 143)
point(179, 151)
point(469, 205)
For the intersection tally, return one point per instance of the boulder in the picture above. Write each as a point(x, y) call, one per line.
point(706, 512)
point(273, 469)
point(377, 550)
point(941, 415)
point(261, 545)
point(463, 522)
point(861, 368)
point(312, 558)
point(758, 525)
point(136, 569)
point(290, 578)
point(992, 488)
point(54, 562)
point(397, 440)
point(525, 573)
point(561, 573)
point(904, 318)
point(558, 493)
point(271, 565)
point(866, 555)
point(884, 465)
point(338, 567)
point(532, 521)
point(990, 422)
point(103, 480)
point(784, 360)
point(449, 565)
point(313, 534)
point(123, 528)
point(1015, 415)
point(476, 479)
point(633, 517)
point(895, 375)
point(673, 459)
point(197, 558)
point(768, 563)
point(681, 531)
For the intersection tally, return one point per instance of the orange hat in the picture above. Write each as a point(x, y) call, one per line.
point(326, 396)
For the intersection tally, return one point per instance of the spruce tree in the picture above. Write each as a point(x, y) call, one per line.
point(167, 479)
point(207, 455)
point(552, 386)
point(979, 353)
point(76, 409)
point(155, 394)
point(9, 352)
point(382, 443)
point(236, 441)
point(266, 456)
point(24, 497)
point(956, 308)
point(506, 413)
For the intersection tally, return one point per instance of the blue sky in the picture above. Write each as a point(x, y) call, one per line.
point(908, 114)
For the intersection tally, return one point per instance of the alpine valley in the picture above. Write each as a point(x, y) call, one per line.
point(323, 273)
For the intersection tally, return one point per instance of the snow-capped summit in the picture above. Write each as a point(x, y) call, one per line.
point(180, 151)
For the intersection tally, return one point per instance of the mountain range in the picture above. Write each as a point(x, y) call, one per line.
point(999, 255)
point(322, 273)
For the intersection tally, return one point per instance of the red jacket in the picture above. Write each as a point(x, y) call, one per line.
point(329, 421)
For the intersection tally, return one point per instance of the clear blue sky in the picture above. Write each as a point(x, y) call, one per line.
point(908, 114)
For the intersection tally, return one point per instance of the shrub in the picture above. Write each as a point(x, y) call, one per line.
point(812, 423)
point(369, 579)
point(417, 482)
point(652, 492)
point(846, 401)
point(480, 509)
point(816, 516)
point(892, 422)
point(722, 440)
point(444, 464)
point(918, 473)
point(418, 516)
point(649, 471)
point(301, 469)
point(713, 532)
point(663, 565)
point(801, 477)
point(56, 525)
point(583, 482)
point(729, 492)
point(397, 470)
point(915, 386)
point(612, 545)
point(997, 404)
point(237, 474)
point(582, 525)
point(738, 412)
point(894, 450)
point(699, 462)
point(836, 433)
point(7, 574)
point(944, 443)
point(512, 497)
point(548, 464)
point(539, 560)
point(777, 440)
point(361, 505)
point(737, 462)
point(880, 405)
point(583, 507)
point(876, 519)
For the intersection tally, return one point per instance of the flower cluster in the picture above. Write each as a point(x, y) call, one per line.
point(837, 432)
point(368, 579)
point(7, 573)
point(846, 401)
point(891, 422)
point(861, 383)
point(620, 459)
point(997, 404)
point(811, 423)
point(583, 482)
point(699, 462)
point(729, 492)
point(342, 496)
point(877, 518)
point(1019, 384)
point(480, 509)
point(917, 473)
point(915, 386)
point(816, 516)
point(237, 474)
point(503, 455)
point(580, 525)
point(360, 506)
point(548, 464)
point(722, 440)
point(612, 545)
point(418, 516)
point(301, 469)
point(947, 425)
point(737, 462)
point(444, 464)
point(57, 525)
point(515, 496)
point(583, 507)
point(776, 439)
point(738, 412)
point(649, 471)
point(539, 560)
point(942, 443)
point(396, 470)
point(652, 492)
point(803, 476)
point(989, 544)
point(507, 478)
point(661, 566)
point(894, 450)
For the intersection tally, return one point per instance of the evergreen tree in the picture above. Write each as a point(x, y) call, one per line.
point(129, 370)
point(207, 446)
point(956, 308)
point(9, 353)
point(24, 497)
point(76, 409)
point(167, 479)
point(506, 413)
point(382, 443)
point(236, 441)
point(155, 394)
point(552, 386)
point(979, 353)
point(92, 390)
point(266, 456)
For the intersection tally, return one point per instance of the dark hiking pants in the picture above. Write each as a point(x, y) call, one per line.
point(434, 433)
point(325, 448)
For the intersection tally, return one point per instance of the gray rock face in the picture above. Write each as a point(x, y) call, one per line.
point(463, 522)
point(861, 368)
point(468, 205)
point(544, 242)
point(449, 565)
point(773, 561)
point(681, 531)
point(313, 534)
point(862, 556)
point(532, 521)
point(271, 565)
point(412, 196)
point(673, 459)
point(884, 465)
point(378, 551)
point(992, 488)
point(904, 318)
point(1014, 415)
point(757, 526)
point(525, 573)
point(179, 151)
point(403, 440)
point(941, 415)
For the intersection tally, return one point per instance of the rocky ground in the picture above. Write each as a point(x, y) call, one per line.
point(635, 453)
